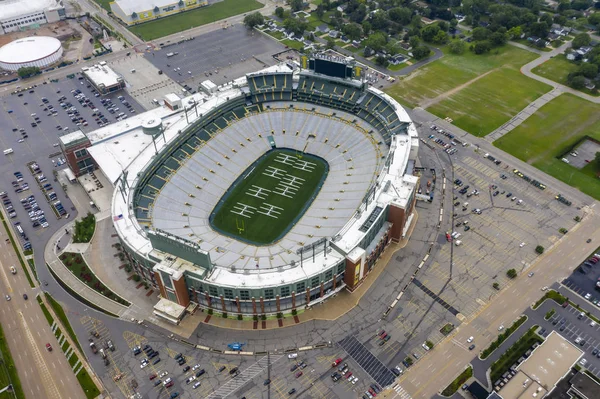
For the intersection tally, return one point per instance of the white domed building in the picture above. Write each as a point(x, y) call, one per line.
point(36, 51)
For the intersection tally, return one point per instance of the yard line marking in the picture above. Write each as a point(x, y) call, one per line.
point(241, 209)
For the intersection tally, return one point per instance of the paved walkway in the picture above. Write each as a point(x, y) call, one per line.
point(523, 114)
point(69, 279)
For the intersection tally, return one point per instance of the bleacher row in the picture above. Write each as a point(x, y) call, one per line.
point(182, 201)
point(270, 82)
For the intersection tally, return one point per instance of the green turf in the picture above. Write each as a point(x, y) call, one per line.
point(104, 4)
point(489, 102)
point(261, 229)
point(556, 69)
point(190, 19)
point(550, 132)
point(453, 70)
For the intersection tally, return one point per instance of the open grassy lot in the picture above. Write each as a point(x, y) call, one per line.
point(452, 70)
point(268, 184)
point(190, 19)
point(550, 132)
point(556, 69)
point(104, 4)
point(487, 103)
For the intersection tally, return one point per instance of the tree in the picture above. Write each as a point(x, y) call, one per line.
point(421, 52)
point(577, 82)
point(400, 15)
point(376, 41)
point(539, 29)
point(381, 61)
point(254, 19)
point(590, 71)
point(429, 344)
point(457, 47)
point(498, 38)
point(429, 32)
point(511, 273)
point(295, 25)
point(496, 286)
point(279, 12)
point(320, 11)
point(480, 34)
point(366, 26)
point(414, 41)
point(482, 47)
point(25, 72)
point(539, 249)
point(581, 40)
point(440, 38)
point(330, 43)
point(353, 31)
point(453, 23)
point(296, 5)
point(515, 32)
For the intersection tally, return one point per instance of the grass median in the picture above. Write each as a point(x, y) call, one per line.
point(84, 379)
point(190, 19)
point(503, 337)
point(8, 371)
point(12, 241)
point(62, 316)
point(457, 383)
point(513, 353)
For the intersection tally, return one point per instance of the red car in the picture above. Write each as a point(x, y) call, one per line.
point(169, 385)
point(299, 374)
point(448, 237)
point(348, 375)
point(336, 362)
point(49, 347)
point(153, 376)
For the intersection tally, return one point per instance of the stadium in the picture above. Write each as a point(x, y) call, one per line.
point(270, 195)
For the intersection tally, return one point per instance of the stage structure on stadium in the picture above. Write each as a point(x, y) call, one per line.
point(168, 187)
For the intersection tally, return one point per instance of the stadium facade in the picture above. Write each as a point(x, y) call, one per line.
point(17, 15)
point(133, 12)
point(170, 169)
point(35, 51)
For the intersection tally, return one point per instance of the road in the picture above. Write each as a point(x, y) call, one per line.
point(443, 364)
point(43, 374)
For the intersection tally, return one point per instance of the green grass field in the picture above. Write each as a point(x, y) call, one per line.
point(190, 19)
point(258, 227)
point(556, 69)
point(489, 102)
point(8, 371)
point(550, 132)
point(451, 71)
point(104, 4)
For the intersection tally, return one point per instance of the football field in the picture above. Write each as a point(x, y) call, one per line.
point(266, 201)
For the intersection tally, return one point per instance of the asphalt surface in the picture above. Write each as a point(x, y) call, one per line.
point(42, 373)
point(221, 61)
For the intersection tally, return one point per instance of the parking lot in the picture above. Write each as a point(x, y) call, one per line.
point(498, 221)
point(580, 330)
point(584, 279)
point(220, 56)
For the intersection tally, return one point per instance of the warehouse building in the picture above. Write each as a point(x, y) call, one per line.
point(18, 15)
point(133, 12)
point(103, 78)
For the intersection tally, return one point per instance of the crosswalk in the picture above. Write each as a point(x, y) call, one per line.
point(401, 392)
point(244, 377)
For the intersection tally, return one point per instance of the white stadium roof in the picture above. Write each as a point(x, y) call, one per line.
point(14, 8)
point(28, 49)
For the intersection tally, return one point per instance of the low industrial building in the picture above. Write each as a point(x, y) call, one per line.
point(538, 375)
point(103, 78)
point(133, 12)
point(19, 15)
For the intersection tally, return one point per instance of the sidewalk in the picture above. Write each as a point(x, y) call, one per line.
point(68, 279)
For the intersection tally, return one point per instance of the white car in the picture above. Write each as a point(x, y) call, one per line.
point(292, 355)
point(501, 327)
point(588, 295)
point(192, 378)
point(144, 364)
point(354, 380)
point(425, 346)
point(470, 340)
point(521, 245)
point(196, 385)
point(196, 367)
point(161, 375)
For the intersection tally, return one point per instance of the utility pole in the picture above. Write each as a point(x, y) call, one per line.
point(269, 375)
